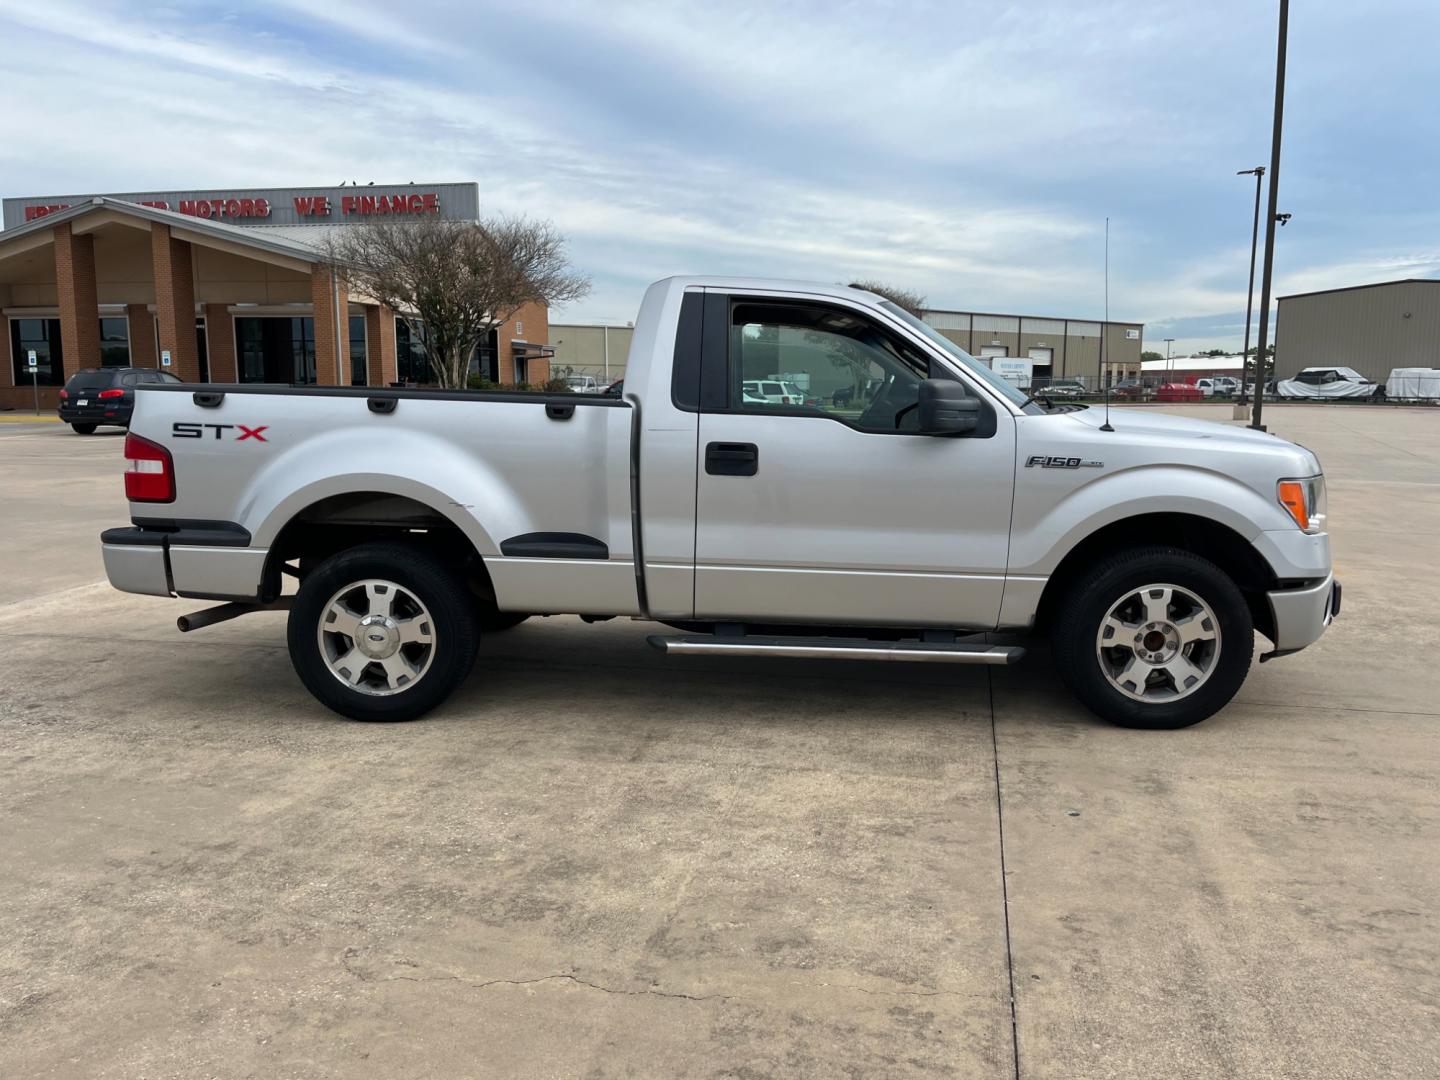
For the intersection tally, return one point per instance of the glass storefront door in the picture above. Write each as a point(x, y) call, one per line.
point(276, 349)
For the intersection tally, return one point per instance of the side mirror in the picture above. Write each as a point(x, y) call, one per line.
point(946, 408)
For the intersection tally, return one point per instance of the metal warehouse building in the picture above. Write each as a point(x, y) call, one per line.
point(1371, 328)
point(223, 286)
point(595, 349)
point(1059, 348)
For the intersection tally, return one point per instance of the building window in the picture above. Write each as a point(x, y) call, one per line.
point(411, 363)
point(359, 376)
point(115, 342)
point(276, 349)
point(42, 335)
point(485, 361)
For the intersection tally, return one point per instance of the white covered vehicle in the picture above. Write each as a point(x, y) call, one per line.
point(1413, 384)
point(1328, 382)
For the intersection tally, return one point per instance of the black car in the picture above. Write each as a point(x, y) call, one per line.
point(98, 396)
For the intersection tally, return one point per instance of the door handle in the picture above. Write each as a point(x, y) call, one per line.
point(732, 459)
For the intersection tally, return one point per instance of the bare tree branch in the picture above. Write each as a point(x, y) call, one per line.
point(909, 299)
point(455, 281)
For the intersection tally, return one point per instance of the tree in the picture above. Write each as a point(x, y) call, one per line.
point(1150, 354)
point(455, 281)
point(911, 301)
point(849, 356)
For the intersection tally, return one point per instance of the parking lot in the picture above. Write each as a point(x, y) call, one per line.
point(599, 862)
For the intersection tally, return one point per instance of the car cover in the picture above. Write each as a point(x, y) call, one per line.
point(1413, 384)
point(1345, 383)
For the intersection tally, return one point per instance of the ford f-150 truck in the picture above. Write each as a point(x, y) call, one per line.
point(908, 518)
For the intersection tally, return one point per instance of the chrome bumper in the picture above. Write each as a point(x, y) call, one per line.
point(1301, 615)
point(137, 568)
point(159, 564)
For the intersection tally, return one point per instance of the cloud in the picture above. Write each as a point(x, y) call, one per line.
point(971, 151)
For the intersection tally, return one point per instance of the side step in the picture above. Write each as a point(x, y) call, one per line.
point(823, 648)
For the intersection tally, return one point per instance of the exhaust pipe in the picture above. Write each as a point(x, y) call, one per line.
point(197, 620)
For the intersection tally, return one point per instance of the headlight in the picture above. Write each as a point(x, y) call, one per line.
point(1305, 500)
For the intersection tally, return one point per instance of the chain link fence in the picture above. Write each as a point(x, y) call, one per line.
point(1421, 386)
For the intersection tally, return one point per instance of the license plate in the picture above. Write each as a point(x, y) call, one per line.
point(83, 401)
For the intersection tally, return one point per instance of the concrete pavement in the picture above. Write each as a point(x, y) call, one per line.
point(601, 862)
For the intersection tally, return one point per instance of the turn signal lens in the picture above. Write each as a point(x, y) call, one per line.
point(1305, 501)
point(149, 471)
point(64, 395)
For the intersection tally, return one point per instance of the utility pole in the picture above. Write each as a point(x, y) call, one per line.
point(1168, 368)
point(1258, 171)
point(1265, 278)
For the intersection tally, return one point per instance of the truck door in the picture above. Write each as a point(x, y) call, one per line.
point(837, 510)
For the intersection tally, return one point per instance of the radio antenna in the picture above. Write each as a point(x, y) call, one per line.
point(1105, 333)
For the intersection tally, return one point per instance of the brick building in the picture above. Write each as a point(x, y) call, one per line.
point(231, 287)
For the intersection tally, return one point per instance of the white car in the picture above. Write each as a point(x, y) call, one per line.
point(775, 391)
point(1219, 386)
point(583, 384)
point(1327, 382)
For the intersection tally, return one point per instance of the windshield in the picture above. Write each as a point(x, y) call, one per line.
point(1001, 385)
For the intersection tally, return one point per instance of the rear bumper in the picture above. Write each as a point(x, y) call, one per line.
point(195, 559)
point(119, 417)
point(133, 566)
point(1301, 615)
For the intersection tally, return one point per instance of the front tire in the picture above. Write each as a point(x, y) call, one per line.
point(84, 429)
point(382, 631)
point(1154, 637)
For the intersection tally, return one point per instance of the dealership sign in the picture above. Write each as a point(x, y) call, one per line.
point(283, 206)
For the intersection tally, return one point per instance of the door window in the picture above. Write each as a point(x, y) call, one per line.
point(856, 372)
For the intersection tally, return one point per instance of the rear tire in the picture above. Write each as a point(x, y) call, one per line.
point(84, 429)
point(382, 631)
point(1154, 637)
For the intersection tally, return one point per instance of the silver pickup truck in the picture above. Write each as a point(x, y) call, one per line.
point(912, 505)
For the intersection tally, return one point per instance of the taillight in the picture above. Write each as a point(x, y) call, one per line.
point(110, 393)
point(149, 474)
point(64, 395)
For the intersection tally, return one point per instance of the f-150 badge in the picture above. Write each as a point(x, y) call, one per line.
point(1061, 462)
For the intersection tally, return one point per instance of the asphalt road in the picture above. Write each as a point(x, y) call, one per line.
point(600, 862)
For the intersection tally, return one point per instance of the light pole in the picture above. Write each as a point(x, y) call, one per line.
point(1168, 368)
point(1258, 172)
point(1270, 216)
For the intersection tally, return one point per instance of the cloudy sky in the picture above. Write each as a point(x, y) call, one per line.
point(969, 150)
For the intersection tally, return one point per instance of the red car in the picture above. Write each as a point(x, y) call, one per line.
point(1178, 391)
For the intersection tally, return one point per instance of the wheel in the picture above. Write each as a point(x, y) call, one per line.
point(382, 631)
point(1154, 637)
point(84, 429)
point(493, 622)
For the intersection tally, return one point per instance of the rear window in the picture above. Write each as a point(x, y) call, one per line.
point(90, 380)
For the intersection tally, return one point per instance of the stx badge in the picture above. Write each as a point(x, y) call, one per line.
point(180, 430)
point(1061, 462)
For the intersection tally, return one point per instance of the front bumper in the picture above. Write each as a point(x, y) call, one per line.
point(1301, 615)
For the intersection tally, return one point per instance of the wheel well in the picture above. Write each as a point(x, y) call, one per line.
point(343, 521)
point(1211, 540)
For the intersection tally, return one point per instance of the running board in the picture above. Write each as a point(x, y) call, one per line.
point(822, 648)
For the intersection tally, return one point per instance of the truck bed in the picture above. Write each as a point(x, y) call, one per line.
point(540, 483)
